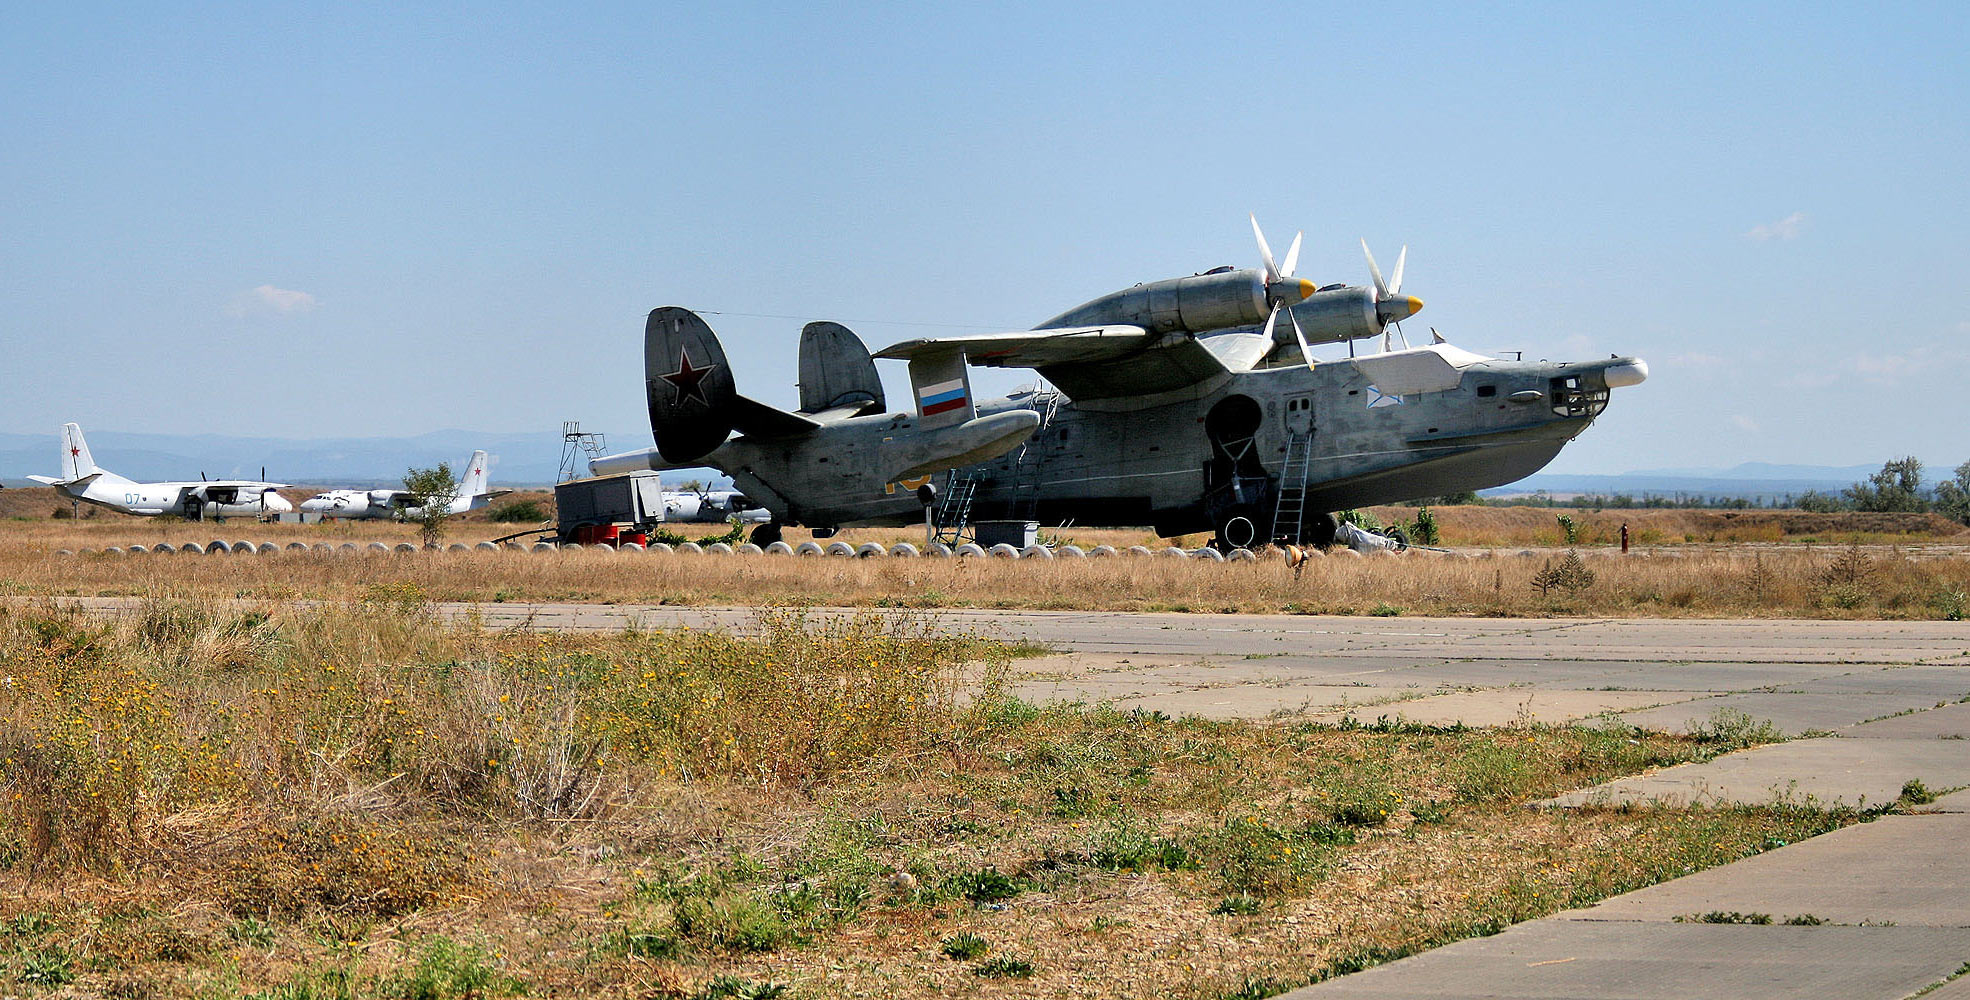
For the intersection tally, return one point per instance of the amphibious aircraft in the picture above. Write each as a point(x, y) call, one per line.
point(82, 480)
point(1187, 404)
point(374, 504)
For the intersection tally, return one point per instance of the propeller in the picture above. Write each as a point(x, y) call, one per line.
point(1391, 306)
point(1282, 290)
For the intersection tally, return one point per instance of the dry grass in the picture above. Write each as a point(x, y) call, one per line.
point(1738, 581)
point(361, 801)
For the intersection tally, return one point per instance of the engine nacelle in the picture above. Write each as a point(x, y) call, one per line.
point(1330, 317)
point(380, 498)
point(1197, 304)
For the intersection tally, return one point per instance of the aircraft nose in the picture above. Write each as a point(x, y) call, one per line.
point(1632, 372)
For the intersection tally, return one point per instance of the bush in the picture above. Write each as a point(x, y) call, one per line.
point(1005, 968)
point(520, 512)
point(965, 947)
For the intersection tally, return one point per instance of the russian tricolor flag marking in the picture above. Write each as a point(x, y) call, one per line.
point(942, 397)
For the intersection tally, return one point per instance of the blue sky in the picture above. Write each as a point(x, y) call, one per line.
point(333, 220)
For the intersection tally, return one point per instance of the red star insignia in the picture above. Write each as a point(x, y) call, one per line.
point(74, 452)
point(688, 381)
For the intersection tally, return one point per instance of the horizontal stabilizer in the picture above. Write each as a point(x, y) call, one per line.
point(756, 419)
point(46, 480)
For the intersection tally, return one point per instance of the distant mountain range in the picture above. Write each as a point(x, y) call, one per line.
point(530, 459)
point(1752, 480)
point(533, 459)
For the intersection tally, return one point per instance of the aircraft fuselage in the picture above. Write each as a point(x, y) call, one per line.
point(1186, 466)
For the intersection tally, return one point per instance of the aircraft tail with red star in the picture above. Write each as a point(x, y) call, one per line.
point(76, 460)
point(693, 405)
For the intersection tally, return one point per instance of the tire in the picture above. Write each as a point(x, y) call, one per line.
point(766, 534)
point(1400, 538)
point(1237, 529)
point(825, 532)
point(1319, 531)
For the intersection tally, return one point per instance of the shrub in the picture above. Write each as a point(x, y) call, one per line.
point(987, 885)
point(740, 924)
point(1423, 530)
point(1005, 968)
point(965, 947)
point(1915, 793)
point(1237, 905)
point(519, 512)
point(1571, 575)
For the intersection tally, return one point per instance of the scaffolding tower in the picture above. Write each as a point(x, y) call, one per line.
point(575, 444)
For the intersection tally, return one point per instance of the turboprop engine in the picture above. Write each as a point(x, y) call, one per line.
point(1226, 298)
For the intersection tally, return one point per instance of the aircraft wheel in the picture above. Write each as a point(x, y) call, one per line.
point(1319, 531)
point(1238, 529)
point(1400, 538)
point(825, 532)
point(766, 534)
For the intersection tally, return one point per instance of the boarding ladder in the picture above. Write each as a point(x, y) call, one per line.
point(952, 515)
point(1025, 475)
point(1291, 510)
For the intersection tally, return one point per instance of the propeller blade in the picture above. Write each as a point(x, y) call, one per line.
point(1381, 288)
point(1306, 352)
point(1293, 258)
point(1395, 286)
point(1265, 252)
point(1270, 317)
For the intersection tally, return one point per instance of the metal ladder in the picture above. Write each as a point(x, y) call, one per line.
point(1291, 511)
point(1025, 487)
point(952, 515)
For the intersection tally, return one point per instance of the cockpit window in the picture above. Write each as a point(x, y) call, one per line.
point(1573, 398)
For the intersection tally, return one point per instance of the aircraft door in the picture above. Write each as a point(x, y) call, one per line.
point(1299, 414)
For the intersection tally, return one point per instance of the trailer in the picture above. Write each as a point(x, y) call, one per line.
point(609, 510)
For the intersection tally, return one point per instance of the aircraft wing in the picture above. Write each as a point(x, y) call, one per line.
point(1095, 362)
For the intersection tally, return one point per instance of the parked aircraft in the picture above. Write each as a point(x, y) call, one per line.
point(1184, 404)
point(82, 480)
point(712, 507)
point(374, 504)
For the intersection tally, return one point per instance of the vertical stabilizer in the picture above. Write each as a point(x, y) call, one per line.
point(835, 370)
point(943, 389)
point(473, 483)
point(77, 463)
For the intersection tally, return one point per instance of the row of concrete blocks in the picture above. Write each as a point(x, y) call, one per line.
point(836, 549)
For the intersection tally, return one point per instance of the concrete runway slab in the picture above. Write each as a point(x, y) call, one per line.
point(1950, 722)
point(1905, 870)
point(1938, 683)
point(1793, 714)
point(1828, 770)
point(1487, 708)
point(1596, 960)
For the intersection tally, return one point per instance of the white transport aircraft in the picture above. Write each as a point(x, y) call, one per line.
point(82, 480)
point(362, 504)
